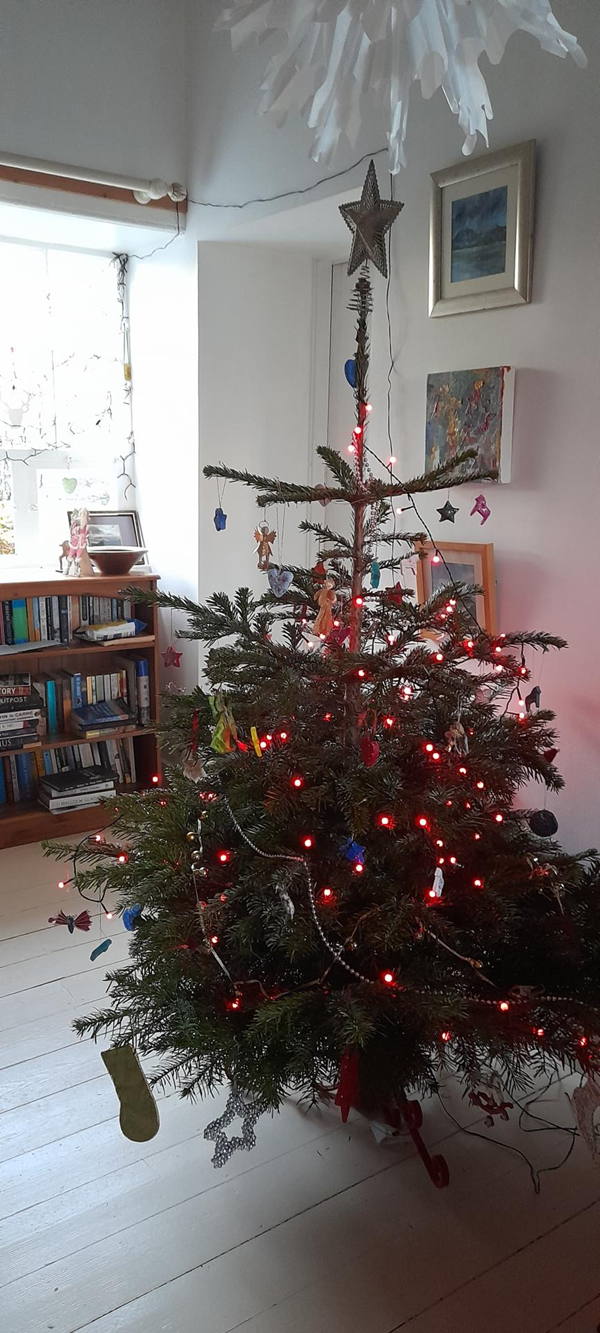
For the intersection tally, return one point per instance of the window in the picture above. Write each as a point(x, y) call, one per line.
point(65, 411)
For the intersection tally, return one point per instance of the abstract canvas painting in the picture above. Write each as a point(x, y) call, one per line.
point(470, 409)
point(479, 235)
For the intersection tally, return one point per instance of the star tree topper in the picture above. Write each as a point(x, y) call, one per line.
point(370, 218)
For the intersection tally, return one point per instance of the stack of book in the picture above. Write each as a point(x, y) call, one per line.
point(76, 790)
point(56, 619)
point(21, 715)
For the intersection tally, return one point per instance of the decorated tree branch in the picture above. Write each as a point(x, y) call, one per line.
point(338, 892)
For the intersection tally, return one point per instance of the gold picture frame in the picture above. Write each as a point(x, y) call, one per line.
point(481, 232)
point(468, 562)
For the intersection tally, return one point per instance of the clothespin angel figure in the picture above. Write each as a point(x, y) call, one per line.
point(325, 599)
point(264, 549)
point(78, 560)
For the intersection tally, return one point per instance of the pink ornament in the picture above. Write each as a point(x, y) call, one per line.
point(481, 507)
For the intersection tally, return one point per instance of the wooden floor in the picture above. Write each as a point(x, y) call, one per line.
point(318, 1230)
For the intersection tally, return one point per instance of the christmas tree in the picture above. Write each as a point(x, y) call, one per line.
point(336, 893)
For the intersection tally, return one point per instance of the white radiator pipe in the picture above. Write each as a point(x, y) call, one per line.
point(143, 190)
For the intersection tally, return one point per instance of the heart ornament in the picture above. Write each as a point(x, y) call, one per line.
point(280, 580)
point(69, 485)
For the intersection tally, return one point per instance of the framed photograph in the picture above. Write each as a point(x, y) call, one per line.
point(470, 409)
point(115, 528)
point(462, 562)
point(481, 232)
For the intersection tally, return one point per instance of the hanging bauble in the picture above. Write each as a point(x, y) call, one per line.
point(350, 372)
point(375, 574)
point(330, 58)
point(171, 657)
point(220, 519)
point(543, 823)
point(348, 1093)
point(369, 751)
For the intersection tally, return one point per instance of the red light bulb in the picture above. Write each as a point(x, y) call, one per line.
point(477, 883)
point(361, 673)
point(283, 735)
point(358, 868)
point(62, 884)
point(109, 916)
point(389, 721)
point(385, 821)
point(122, 858)
point(452, 860)
point(388, 977)
point(422, 822)
point(358, 430)
point(499, 819)
point(469, 643)
point(539, 1032)
point(477, 837)
point(497, 650)
point(328, 893)
point(233, 1004)
point(351, 448)
point(439, 657)
point(98, 837)
point(583, 1041)
point(263, 745)
point(439, 842)
point(327, 717)
point(214, 939)
point(308, 842)
point(481, 785)
point(445, 1036)
point(392, 461)
point(429, 747)
point(504, 1006)
point(155, 778)
point(431, 893)
point(224, 857)
point(297, 782)
point(436, 756)
point(463, 771)
point(436, 559)
point(359, 601)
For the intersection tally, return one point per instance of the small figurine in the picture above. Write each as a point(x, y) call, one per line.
point(265, 540)
point(326, 599)
point(457, 738)
point(75, 551)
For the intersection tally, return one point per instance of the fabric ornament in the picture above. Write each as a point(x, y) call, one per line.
point(320, 494)
point(457, 738)
point(533, 699)
point(586, 1101)
point(81, 922)
point(171, 657)
point(448, 512)
point(249, 1109)
point(225, 731)
point(331, 57)
point(138, 1118)
point(353, 850)
point(348, 1093)
point(437, 887)
point(220, 519)
point(395, 595)
point(375, 574)
point(481, 507)
point(350, 372)
point(100, 949)
point(280, 580)
point(130, 915)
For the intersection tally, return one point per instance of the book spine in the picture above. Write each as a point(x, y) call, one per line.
point(10, 723)
point(19, 620)
point(142, 672)
point(56, 618)
point(73, 802)
point(17, 741)
point(51, 706)
point(108, 694)
point(20, 715)
point(75, 610)
point(14, 777)
point(84, 610)
point(3, 795)
point(7, 622)
point(127, 608)
point(37, 634)
point(76, 690)
point(39, 762)
point(24, 776)
point(128, 742)
point(63, 618)
point(8, 692)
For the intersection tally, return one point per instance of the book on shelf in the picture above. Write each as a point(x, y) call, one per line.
point(15, 685)
point(62, 804)
point(106, 714)
point(27, 623)
point(86, 767)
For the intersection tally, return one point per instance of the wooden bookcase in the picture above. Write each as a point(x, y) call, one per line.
point(21, 822)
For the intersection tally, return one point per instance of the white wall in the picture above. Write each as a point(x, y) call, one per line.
point(257, 313)
point(544, 525)
point(95, 83)
point(164, 349)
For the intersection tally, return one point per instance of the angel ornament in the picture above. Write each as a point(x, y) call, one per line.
point(457, 738)
point(265, 540)
point(325, 599)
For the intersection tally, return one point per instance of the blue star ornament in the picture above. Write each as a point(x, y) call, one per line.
point(353, 850)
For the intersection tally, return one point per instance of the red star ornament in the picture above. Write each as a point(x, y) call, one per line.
point(170, 657)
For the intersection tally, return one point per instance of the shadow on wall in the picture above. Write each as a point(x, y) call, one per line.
point(539, 399)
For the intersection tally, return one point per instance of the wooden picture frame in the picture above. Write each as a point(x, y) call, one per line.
point(481, 232)
point(121, 527)
point(460, 557)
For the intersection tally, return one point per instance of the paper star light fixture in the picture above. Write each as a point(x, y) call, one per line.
point(336, 51)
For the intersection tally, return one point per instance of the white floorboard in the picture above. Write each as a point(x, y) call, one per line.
point(318, 1230)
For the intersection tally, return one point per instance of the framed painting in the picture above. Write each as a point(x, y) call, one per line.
point(470, 563)
point(470, 409)
point(115, 528)
point(481, 232)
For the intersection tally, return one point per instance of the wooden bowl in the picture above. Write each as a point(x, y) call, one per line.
point(116, 560)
